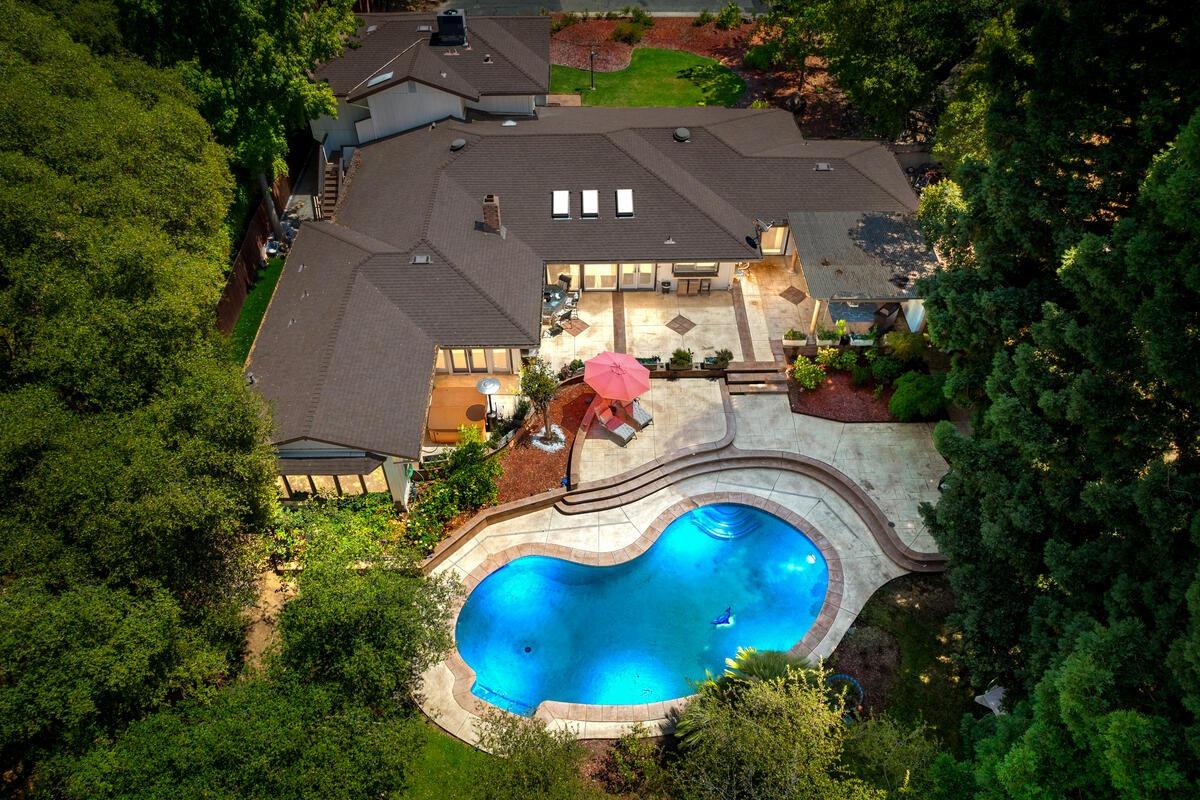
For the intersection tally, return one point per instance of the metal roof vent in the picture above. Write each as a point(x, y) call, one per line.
point(457, 144)
point(372, 28)
point(380, 78)
point(823, 166)
point(421, 258)
point(424, 29)
point(487, 58)
point(508, 123)
point(682, 135)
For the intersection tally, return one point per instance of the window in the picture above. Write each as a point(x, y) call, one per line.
point(439, 364)
point(553, 271)
point(624, 202)
point(591, 204)
point(478, 360)
point(501, 362)
point(458, 361)
point(600, 276)
point(694, 268)
point(561, 204)
point(378, 79)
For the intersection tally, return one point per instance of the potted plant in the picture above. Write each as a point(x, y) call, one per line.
point(826, 337)
point(843, 338)
point(719, 359)
point(863, 339)
point(794, 338)
point(681, 359)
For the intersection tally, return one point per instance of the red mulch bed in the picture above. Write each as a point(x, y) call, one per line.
point(570, 46)
point(840, 400)
point(528, 470)
point(820, 107)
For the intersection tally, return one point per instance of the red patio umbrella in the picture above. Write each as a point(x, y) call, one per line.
point(616, 376)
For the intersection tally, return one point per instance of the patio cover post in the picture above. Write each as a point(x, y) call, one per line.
point(812, 325)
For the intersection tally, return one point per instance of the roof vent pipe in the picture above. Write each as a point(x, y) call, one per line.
point(457, 144)
point(682, 135)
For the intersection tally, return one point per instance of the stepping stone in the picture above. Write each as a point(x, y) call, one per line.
point(681, 324)
point(793, 295)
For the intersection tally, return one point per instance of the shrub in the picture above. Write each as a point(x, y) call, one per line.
point(761, 56)
point(885, 369)
point(640, 16)
point(722, 358)
point(565, 21)
point(627, 32)
point(906, 347)
point(807, 373)
point(835, 359)
point(533, 761)
point(681, 358)
point(612, 15)
point(633, 766)
point(860, 374)
point(918, 396)
point(792, 333)
point(761, 102)
point(705, 17)
point(730, 16)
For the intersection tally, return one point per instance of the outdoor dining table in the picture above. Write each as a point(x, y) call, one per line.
point(553, 297)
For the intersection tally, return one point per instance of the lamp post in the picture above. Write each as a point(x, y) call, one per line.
point(592, 62)
point(488, 387)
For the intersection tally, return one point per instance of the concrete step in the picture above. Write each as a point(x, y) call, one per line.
point(759, 388)
point(742, 378)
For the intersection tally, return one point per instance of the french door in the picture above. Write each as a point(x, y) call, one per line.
point(637, 276)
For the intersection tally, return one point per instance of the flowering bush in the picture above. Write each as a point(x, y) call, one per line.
point(808, 374)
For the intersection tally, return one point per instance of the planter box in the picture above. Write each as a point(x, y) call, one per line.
point(795, 342)
point(825, 342)
point(866, 341)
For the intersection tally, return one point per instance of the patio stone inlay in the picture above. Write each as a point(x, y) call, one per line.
point(575, 326)
point(681, 324)
point(793, 295)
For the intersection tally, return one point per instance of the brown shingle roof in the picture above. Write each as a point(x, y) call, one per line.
point(519, 50)
point(346, 350)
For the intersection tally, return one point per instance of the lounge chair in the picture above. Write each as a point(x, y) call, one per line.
point(623, 431)
point(639, 414)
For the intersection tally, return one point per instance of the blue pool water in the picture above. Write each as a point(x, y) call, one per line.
point(543, 628)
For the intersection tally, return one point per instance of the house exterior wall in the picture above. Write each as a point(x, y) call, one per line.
point(505, 104)
point(340, 131)
point(663, 271)
point(408, 105)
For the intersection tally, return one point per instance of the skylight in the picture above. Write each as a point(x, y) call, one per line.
point(624, 202)
point(823, 166)
point(561, 204)
point(380, 78)
point(591, 204)
point(421, 258)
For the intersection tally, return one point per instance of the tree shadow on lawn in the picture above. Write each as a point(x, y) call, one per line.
point(720, 85)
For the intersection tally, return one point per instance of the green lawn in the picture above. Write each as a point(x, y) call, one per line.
point(445, 768)
point(654, 78)
point(246, 327)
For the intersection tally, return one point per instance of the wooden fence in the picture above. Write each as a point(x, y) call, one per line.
point(244, 270)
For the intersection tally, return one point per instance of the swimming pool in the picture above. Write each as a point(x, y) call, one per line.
point(542, 628)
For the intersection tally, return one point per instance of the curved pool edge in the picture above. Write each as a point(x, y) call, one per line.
point(608, 721)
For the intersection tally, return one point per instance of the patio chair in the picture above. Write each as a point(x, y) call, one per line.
point(639, 414)
point(653, 362)
point(565, 282)
point(623, 431)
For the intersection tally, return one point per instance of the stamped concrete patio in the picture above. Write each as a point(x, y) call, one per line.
point(893, 464)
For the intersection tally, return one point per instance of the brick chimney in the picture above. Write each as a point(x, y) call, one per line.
point(491, 215)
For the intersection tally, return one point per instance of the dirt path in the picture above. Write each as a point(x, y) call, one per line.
point(263, 616)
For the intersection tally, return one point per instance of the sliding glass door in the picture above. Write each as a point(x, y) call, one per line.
point(600, 277)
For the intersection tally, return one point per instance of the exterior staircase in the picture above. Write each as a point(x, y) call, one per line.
point(756, 377)
point(331, 184)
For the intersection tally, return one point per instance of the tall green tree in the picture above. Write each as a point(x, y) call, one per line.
point(133, 462)
point(1069, 303)
point(890, 57)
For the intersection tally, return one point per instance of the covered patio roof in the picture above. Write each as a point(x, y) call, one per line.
point(857, 255)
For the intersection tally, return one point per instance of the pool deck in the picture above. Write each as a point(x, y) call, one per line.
point(853, 489)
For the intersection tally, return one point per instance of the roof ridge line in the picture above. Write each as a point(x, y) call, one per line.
point(327, 353)
point(874, 182)
point(450, 70)
point(375, 71)
point(516, 42)
point(478, 288)
point(348, 235)
point(671, 187)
